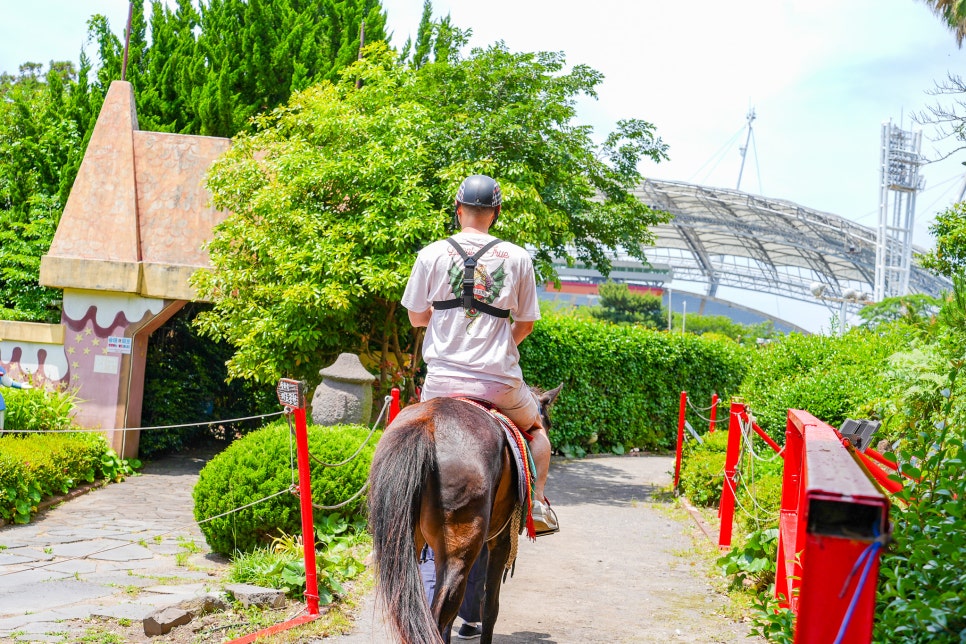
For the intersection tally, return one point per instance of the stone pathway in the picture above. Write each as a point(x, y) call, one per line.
point(122, 551)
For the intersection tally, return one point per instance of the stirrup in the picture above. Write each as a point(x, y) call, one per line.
point(544, 519)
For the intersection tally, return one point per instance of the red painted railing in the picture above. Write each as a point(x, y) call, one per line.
point(832, 525)
point(682, 422)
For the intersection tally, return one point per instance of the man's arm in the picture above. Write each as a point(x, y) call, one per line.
point(520, 330)
point(421, 318)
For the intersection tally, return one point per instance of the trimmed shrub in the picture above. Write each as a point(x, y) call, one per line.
point(39, 465)
point(622, 383)
point(702, 469)
point(259, 465)
point(831, 377)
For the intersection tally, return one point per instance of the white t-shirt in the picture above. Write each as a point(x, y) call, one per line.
point(458, 344)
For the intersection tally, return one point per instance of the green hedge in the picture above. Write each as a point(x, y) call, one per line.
point(258, 465)
point(831, 377)
point(702, 469)
point(622, 383)
point(39, 465)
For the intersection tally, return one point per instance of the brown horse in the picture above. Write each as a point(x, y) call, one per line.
point(441, 475)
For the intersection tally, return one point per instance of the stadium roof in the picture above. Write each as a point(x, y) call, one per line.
point(723, 237)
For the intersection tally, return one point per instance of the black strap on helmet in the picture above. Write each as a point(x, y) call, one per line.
point(468, 301)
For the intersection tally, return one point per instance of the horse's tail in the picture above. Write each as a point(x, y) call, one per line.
point(404, 458)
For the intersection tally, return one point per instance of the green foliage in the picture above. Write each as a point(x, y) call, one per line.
point(44, 123)
point(916, 310)
point(949, 256)
point(334, 194)
point(722, 325)
point(753, 564)
point(207, 68)
point(202, 68)
point(620, 305)
point(258, 465)
point(339, 556)
point(832, 377)
point(622, 384)
point(39, 465)
point(702, 469)
point(38, 409)
point(772, 622)
point(185, 382)
point(921, 581)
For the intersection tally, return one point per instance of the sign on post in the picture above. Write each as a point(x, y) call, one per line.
point(291, 393)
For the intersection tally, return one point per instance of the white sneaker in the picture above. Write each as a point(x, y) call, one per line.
point(544, 519)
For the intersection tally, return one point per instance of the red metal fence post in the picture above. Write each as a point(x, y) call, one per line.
point(305, 499)
point(830, 526)
point(677, 458)
point(714, 412)
point(393, 404)
point(291, 395)
point(727, 507)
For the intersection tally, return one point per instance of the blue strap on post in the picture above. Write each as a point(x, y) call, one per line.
point(868, 556)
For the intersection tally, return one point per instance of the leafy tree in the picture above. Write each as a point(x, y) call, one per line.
point(916, 310)
point(953, 13)
point(334, 194)
point(949, 256)
point(619, 304)
point(722, 325)
point(442, 38)
point(45, 120)
point(202, 70)
point(209, 70)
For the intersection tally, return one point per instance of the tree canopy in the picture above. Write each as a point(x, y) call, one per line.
point(334, 193)
point(621, 305)
point(200, 68)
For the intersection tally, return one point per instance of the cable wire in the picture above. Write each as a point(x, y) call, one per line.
point(139, 429)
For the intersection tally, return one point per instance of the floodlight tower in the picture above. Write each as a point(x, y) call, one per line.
point(900, 181)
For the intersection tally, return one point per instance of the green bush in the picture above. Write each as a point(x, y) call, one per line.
point(39, 465)
point(340, 553)
point(622, 383)
point(760, 499)
point(258, 465)
point(38, 409)
point(702, 469)
point(921, 580)
point(831, 377)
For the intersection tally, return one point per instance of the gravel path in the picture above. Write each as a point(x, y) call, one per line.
point(623, 568)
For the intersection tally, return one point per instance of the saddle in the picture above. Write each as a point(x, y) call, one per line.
point(526, 470)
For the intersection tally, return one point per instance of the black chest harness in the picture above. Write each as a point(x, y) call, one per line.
point(469, 301)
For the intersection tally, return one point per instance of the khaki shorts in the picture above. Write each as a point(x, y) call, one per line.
point(518, 403)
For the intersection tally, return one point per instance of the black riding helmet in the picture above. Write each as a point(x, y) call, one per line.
point(480, 190)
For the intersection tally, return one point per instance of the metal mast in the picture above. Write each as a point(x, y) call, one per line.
point(900, 181)
point(744, 148)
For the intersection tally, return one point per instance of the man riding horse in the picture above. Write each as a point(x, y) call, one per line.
point(477, 296)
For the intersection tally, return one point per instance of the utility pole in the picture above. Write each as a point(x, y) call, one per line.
point(127, 40)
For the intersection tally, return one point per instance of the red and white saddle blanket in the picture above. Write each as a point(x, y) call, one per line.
point(518, 440)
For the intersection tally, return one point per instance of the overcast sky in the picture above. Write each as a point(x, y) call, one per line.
point(821, 75)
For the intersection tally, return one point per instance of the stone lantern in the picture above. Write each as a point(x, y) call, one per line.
point(345, 394)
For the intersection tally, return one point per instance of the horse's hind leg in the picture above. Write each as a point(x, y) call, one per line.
point(499, 553)
point(452, 572)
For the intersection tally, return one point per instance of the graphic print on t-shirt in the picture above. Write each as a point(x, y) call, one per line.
point(486, 287)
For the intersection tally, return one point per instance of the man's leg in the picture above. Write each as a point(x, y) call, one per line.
point(471, 610)
point(540, 450)
point(427, 570)
point(523, 409)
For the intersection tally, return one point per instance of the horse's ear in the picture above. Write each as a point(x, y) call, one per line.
point(549, 396)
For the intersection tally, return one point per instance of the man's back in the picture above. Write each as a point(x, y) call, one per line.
point(472, 343)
